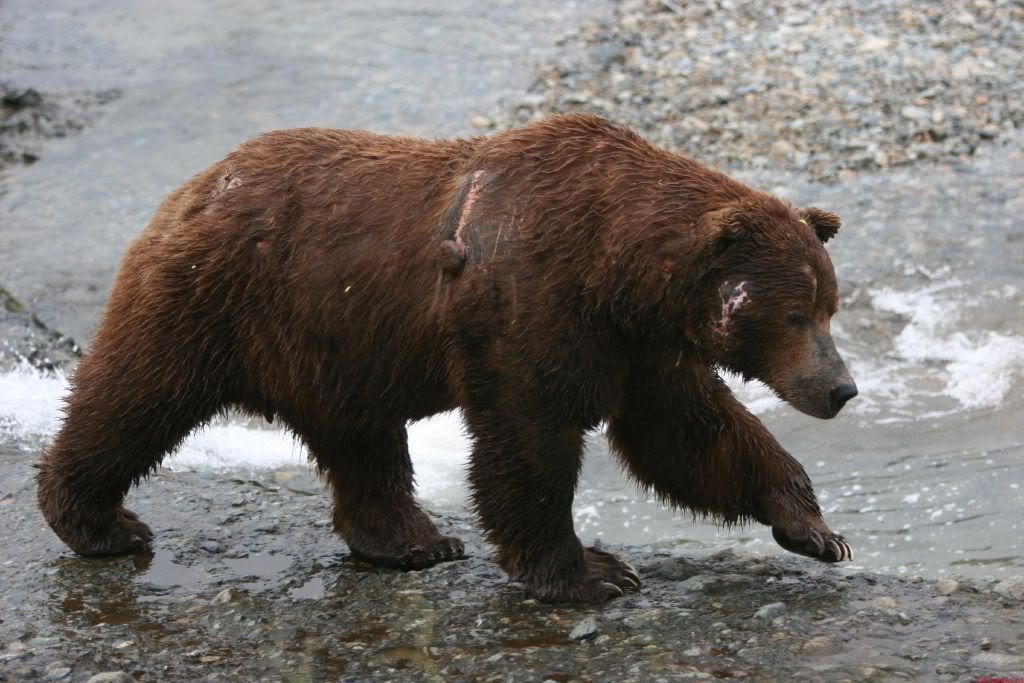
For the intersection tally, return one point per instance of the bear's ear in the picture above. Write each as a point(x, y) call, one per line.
point(824, 223)
point(726, 225)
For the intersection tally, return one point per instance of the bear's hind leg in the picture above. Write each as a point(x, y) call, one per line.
point(375, 511)
point(119, 422)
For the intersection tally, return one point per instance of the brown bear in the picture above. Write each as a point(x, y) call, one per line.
point(544, 280)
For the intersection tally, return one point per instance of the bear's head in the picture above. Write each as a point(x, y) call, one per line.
point(770, 294)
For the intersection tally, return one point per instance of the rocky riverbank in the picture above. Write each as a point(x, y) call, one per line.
point(248, 583)
point(818, 88)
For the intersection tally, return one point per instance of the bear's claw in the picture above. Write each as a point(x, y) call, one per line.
point(124, 534)
point(825, 547)
point(417, 556)
point(604, 577)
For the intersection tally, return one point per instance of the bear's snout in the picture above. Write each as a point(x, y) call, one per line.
point(820, 385)
point(840, 395)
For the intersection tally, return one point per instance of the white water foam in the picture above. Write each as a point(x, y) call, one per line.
point(31, 403)
point(977, 367)
point(755, 395)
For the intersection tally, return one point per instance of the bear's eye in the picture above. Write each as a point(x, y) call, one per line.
point(798, 319)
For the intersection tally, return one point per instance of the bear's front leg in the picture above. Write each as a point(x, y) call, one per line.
point(523, 476)
point(682, 432)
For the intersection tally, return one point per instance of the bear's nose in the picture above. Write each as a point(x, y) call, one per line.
point(840, 395)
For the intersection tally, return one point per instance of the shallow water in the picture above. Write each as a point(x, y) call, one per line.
point(922, 472)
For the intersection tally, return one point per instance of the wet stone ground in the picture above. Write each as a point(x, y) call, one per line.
point(248, 582)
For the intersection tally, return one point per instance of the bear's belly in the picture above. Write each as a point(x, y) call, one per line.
point(383, 365)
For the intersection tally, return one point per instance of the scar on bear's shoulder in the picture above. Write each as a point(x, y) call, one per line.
point(229, 181)
point(205, 196)
point(453, 228)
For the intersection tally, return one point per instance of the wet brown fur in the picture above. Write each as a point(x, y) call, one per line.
point(322, 277)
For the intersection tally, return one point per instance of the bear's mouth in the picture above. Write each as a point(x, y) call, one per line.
point(817, 399)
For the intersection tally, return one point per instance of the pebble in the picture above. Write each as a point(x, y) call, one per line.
point(770, 610)
point(111, 677)
point(886, 603)
point(57, 671)
point(671, 569)
point(1010, 588)
point(819, 645)
point(224, 597)
point(479, 121)
point(781, 149)
point(697, 583)
point(997, 660)
point(915, 113)
point(947, 586)
point(874, 44)
point(584, 630)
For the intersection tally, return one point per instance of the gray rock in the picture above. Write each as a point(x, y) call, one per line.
point(57, 671)
point(782, 149)
point(885, 602)
point(584, 630)
point(915, 113)
point(671, 569)
point(989, 132)
point(698, 583)
point(770, 610)
point(111, 677)
point(819, 645)
point(997, 660)
point(1010, 588)
point(44, 642)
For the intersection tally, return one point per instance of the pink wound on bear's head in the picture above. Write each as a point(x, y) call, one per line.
point(737, 299)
